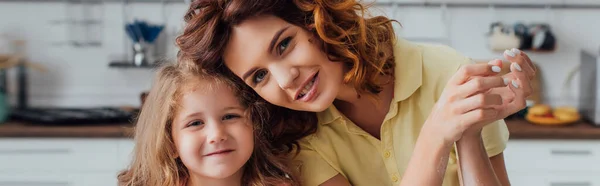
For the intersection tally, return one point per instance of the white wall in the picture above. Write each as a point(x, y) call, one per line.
point(81, 76)
point(465, 30)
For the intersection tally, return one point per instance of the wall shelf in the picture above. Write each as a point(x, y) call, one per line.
point(129, 64)
point(95, 1)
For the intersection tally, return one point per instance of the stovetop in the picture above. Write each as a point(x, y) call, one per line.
point(74, 116)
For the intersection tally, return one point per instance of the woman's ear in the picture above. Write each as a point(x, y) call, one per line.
point(310, 27)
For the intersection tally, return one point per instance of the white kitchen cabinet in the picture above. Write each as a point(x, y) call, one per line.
point(553, 162)
point(125, 149)
point(52, 155)
point(58, 179)
point(62, 162)
point(555, 179)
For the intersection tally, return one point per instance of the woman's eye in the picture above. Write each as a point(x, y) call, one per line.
point(230, 116)
point(283, 45)
point(259, 76)
point(195, 123)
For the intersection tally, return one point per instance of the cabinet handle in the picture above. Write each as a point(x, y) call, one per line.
point(34, 151)
point(33, 183)
point(570, 184)
point(571, 152)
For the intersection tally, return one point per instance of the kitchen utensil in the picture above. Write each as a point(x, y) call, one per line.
point(522, 32)
point(543, 39)
point(143, 35)
point(502, 38)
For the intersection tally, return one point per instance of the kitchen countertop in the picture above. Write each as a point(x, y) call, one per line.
point(21, 129)
point(519, 129)
point(522, 129)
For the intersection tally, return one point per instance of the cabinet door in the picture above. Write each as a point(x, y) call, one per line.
point(556, 179)
point(56, 179)
point(62, 155)
point(125, 152)
point(530, 156)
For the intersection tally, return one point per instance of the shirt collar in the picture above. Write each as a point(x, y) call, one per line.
point(407, 75)
point(408, 72)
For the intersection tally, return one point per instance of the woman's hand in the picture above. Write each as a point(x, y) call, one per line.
point(517, 90)
point(522, 72)
point(466, 102)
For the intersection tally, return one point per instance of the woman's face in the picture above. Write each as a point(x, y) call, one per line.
point(283, 63)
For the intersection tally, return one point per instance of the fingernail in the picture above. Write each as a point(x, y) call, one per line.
point(516, 51)
point(506, 81)
point(496, 69)
point(517, 66)
point(509, 53)
point(515, 84)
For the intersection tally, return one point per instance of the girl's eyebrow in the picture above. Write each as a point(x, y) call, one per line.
point(233, 108)
point(191, 115)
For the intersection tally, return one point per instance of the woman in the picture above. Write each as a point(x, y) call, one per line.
point(390, 111)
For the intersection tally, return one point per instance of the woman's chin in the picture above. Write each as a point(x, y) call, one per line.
point(319, 105)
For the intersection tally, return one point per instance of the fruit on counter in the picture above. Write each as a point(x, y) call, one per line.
point(566, 113)
point(539, 109)
point(546, 115)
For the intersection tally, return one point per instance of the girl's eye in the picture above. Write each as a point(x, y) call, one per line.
point(195, 123)
point(283, 45)
point(259, 76)
point(230, 116)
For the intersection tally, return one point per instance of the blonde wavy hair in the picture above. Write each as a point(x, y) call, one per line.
point(154, 161)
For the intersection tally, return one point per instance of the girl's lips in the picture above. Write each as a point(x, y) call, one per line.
point(220, 152)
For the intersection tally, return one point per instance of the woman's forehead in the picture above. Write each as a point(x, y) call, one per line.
point(250, 41)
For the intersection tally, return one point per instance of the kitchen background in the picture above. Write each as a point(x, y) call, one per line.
point(76, 42)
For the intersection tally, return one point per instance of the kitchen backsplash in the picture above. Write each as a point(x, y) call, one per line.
point(80, 76)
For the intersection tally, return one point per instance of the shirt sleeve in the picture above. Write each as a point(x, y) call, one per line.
point(313, 168)
point(495, 137)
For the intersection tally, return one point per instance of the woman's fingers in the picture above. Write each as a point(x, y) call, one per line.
point(478, 101)
point(479, 84)
point(474, 117)
point(524, 63)
point(518, 103)
point(519, 80)
point(466, 72)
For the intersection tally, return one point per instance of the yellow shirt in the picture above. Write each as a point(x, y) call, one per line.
point(341, 147)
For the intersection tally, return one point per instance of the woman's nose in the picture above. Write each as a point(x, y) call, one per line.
point(285, 76)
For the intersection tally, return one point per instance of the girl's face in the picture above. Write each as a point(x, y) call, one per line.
point(211, 133)
point(283, 63)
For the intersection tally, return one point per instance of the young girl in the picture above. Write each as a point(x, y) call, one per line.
point(426, 122)
point(195, 129)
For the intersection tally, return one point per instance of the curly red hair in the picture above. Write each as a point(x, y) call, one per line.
point(364, 44)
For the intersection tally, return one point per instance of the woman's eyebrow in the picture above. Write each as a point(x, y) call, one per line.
point(276, 37)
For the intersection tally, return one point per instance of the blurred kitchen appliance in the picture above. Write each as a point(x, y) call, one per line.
point(74, 116)
point(589, 94)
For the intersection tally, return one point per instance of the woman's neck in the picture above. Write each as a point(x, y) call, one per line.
point(233, 180)
point(366, 113)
